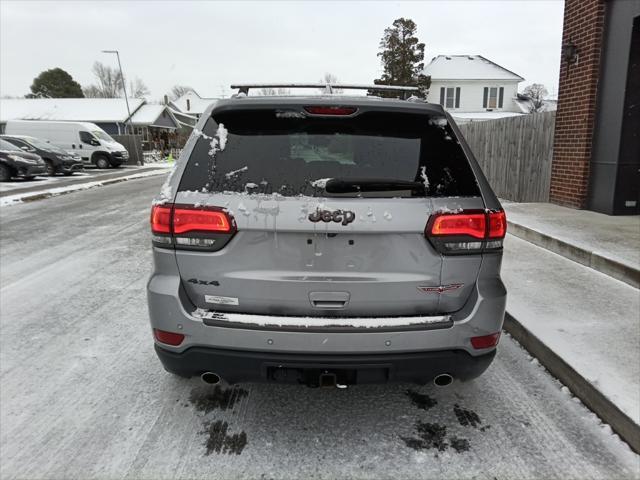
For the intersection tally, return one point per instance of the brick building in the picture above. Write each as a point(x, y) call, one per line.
point(596, 159)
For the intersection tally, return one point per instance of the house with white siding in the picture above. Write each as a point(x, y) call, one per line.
point(473, 88)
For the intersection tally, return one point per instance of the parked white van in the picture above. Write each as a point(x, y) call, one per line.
point(93, 144)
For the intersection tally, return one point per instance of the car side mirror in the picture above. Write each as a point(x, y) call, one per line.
point(95, 142)
point(25, 148)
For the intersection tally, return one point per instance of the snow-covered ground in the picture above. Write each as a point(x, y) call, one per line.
point(83, 395)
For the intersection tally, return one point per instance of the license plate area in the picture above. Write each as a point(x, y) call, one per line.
point(319, 375)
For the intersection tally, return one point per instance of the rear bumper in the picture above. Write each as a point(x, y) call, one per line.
point(251, 366)
point(71, 167)
point(30, 169)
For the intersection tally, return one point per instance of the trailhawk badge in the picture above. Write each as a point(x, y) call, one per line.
point(339, 216)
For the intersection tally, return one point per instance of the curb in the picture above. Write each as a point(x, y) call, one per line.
point(613, 268)
point(90, 185)
point(609, 412)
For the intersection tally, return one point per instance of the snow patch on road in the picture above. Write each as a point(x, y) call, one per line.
point(52, 192)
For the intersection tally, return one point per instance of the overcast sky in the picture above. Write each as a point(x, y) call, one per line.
point(208, 45)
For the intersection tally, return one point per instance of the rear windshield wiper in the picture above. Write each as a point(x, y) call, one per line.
point(344, 185)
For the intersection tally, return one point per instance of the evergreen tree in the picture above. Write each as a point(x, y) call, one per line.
point(402, 55)
point(55, 83)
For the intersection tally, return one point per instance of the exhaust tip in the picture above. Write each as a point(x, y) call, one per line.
point(443, 380)
point(210, 378)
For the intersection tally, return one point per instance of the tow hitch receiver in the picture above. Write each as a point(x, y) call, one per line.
point(327, 379)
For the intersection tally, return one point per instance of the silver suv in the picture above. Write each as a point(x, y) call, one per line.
point(326, 240)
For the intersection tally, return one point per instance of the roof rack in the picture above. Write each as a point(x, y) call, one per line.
point(328, 87)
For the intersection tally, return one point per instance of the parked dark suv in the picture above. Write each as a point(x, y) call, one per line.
point(55, 158)
point(327, 240)
point(18, 163)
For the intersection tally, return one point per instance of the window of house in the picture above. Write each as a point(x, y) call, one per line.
point(493, 97)
point(450, 97)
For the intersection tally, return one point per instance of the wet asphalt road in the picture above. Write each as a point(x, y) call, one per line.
point(83, 396)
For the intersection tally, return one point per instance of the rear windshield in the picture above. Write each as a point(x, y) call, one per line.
point(269, 151)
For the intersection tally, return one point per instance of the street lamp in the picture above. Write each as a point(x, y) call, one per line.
point(126, 99)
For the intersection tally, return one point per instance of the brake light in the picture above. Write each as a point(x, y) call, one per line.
point(188, 220)
point(485, 341)
point(161, 219)
point(190, 227)
point(330, 110)
point(469, 231)
point(168, 338)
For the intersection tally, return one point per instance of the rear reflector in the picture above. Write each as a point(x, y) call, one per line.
point(189, 220)
point(486, 341)
point(329, 110)
point(168, 338)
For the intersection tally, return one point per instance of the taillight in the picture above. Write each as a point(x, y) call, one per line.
point(497, 224)
point(469, 231)
point(191, 220)
point(485, 341)
point(161, 219)
point(191, 228)
point(330, 110)
point(168, 338)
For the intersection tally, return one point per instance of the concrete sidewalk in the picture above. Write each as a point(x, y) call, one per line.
point(583, 325)
point(609, 244)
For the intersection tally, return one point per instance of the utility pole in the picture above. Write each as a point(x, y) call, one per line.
point(126, 99)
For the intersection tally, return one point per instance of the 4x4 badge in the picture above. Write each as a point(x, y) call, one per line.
point(344, 216)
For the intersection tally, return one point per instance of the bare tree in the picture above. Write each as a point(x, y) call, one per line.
point(536, 93)
point(178, 90)
point(330, 78)
point(138, 89)
point(109, 82)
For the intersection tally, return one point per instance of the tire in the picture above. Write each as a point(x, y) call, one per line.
point(102, 162)
point(5, 173)
point(29, 177)
point(51, 170)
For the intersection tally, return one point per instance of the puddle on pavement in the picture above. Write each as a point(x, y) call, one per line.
point(433, 436)
point(207, 399)
point(466, 418)
point(420, 400)
point(219, 441)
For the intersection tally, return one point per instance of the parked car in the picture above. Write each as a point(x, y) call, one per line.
point(88, 140)
point(55, 158)
point(326, 240)
point(17, 163)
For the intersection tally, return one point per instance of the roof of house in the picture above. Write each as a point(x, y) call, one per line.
point(100, 110)
point(153, 115)
point(467, 67)
point(197, 104)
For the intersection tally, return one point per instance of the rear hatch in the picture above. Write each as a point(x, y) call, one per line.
point(327, 209)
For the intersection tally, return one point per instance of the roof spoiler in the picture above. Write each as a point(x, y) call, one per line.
point(328, 87)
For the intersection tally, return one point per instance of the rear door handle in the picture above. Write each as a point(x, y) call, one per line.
point(329, 300)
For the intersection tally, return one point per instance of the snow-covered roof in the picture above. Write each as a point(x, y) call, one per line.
point(94, 110)
point(196, 105)
point(467, 67)
point(153, 115)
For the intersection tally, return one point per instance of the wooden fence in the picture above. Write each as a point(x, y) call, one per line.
point(515, 154)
